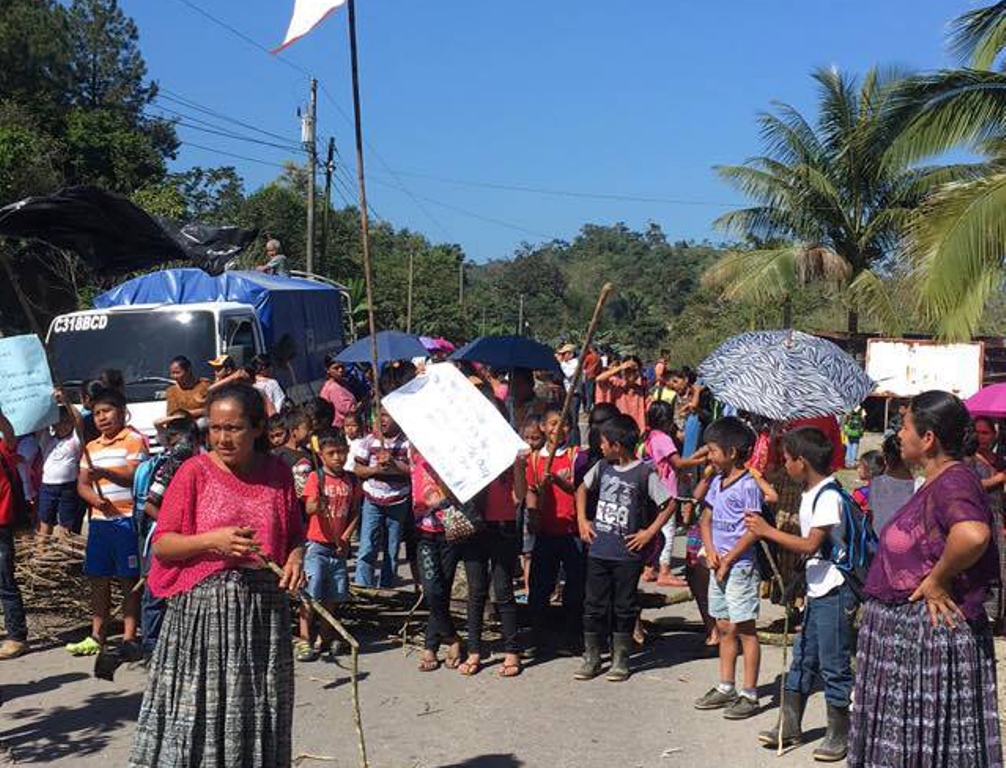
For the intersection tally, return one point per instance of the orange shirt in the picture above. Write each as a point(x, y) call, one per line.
point(188, 400)
point(126, 449)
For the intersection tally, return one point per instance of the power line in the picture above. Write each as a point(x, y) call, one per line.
point(183, 101)
point(232, 154)
point(236, 137)
point(481, 217)
point(564, 192)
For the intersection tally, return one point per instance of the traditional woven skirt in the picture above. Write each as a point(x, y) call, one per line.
point(925, 697)
point(220, 693)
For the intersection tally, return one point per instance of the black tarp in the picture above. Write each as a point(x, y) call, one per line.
point(114, 235)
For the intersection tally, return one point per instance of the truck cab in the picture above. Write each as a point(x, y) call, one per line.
point(139, 326)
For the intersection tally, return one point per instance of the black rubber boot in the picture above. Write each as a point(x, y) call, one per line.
point(791, 716)
point(591, 666)
point(836, 739)
point(621, 649)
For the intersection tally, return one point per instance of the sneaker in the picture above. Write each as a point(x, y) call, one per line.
point(305, 651)
point(86, 647)
point(716, 699)
point(11, 648)
point(742, 709)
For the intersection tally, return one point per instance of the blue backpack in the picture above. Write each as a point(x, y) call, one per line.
point(853, 544)
point(142, 480)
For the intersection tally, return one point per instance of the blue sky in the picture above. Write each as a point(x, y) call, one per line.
point(632, 98)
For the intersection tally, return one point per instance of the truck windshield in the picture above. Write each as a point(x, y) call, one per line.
point(140, 344)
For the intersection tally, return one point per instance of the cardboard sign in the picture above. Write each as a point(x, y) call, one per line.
point(906, 368)
point(456, 429)
point(26, 385)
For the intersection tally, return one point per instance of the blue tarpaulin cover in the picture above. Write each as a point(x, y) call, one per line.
point(301, 319)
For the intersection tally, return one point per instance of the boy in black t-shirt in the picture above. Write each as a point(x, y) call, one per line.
point(632, 506)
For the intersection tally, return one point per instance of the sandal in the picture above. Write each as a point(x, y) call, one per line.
point(511, 670)
point(453, 660)
point(427, 664)
point(470, 668)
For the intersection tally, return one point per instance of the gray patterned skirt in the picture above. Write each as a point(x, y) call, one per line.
point(925, 697)
point(220, 693)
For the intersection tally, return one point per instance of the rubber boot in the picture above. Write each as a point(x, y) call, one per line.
point(621, 648)
point(836, 739)
point(791, 717)
point(591, 666)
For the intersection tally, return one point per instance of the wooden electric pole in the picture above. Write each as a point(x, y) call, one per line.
point(329, 170)
point(310, 123)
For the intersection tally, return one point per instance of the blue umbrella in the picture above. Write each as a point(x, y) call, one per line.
point(391, 345)
point(509, 352)
point(785, 375)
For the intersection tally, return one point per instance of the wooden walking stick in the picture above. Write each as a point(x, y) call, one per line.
point(354, 646)
point(568, 402)
point(785, 640)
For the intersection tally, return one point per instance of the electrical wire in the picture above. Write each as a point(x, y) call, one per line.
point(217, 151)
point(236, 137)
point(183, 101)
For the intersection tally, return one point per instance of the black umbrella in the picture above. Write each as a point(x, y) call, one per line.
point(509, 352)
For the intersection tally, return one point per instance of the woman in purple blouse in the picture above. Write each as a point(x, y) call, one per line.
point(925, 668)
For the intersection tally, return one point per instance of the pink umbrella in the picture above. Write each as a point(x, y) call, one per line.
point(990, 401)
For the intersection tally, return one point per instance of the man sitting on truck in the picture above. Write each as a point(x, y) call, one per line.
point(276, 262)
point(188, 393)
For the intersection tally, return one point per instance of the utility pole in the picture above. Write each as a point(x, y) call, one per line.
point(308, 135)
point(329, 170)
point(408, 310)
point(520, 316)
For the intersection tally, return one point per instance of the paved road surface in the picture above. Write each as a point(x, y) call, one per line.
point(54, 712)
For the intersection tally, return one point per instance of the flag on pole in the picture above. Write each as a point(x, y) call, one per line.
point(307, 14)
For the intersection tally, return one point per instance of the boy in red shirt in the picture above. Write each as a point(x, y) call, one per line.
point(551, 509)
point(16, 643)
point(333, 514)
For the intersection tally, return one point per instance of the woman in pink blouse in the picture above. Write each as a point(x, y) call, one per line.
point(336, 392)
point(221, 680)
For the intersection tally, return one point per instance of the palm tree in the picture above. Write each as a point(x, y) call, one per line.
point(831, 202)
point(958, 238)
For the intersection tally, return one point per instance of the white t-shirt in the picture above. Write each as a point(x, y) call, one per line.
point(271, 389)
point(822, 575)
point(60, 458)
point(354, 446)
point(568, 371)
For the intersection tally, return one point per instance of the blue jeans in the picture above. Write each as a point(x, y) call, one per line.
point(10, 594)
point(151, 618)
point(381, 530)
point(851, 453)
point(824, 647)
point(551, 552)
point(327, 577)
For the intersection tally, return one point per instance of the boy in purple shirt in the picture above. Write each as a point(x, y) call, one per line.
point(727, 491)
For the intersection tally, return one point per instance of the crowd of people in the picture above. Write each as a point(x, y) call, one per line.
point(332, 494)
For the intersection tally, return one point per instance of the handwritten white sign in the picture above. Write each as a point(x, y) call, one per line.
point(906, 368)
point(26, 385)
point(456, 429)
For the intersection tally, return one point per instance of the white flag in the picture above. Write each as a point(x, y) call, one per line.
point(307, 14)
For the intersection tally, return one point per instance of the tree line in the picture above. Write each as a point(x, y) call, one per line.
point(853, 222)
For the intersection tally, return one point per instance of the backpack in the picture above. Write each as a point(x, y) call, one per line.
point(142, 480)
point(21, 518)
point(853, 426)
point(854, 553)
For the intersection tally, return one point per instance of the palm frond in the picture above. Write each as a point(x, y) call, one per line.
point(758, 276)
point(958, 240)
point(871, 295)
point(937, 112)
point(979, 36)
point(820, 264)
point(760, 223)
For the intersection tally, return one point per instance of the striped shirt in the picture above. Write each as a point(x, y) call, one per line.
point(384, 491)
point(126, 449)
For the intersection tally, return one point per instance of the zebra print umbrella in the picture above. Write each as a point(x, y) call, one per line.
point(785, 375)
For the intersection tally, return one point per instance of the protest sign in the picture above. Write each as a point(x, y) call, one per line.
point(25, 384)
point(456, 429)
